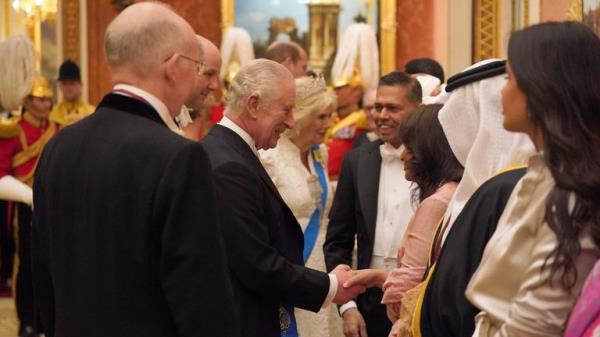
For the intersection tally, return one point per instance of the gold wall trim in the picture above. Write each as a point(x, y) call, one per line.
point(526, 12)
point(227, 14)
point(7, 9)
point(387, 33)
point(486, 22)
point(575, 12)
point(70, 30)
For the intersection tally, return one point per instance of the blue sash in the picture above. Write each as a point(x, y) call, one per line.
point(310, 237)
point(312, 229)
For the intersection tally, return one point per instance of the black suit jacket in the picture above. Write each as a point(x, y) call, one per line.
point(353, 215)
point(125, 237)
point(264, 241)
point(354, 209)
point(445, 311)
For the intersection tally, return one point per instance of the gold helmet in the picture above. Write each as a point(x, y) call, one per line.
point(40, 87)
point(354, 80)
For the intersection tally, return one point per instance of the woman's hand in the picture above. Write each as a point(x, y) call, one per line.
point(368, 278)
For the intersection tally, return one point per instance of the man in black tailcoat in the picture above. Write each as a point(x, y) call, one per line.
point(125, 235)
point(264, 242)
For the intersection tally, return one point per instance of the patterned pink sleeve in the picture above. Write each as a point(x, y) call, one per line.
point(413, 254)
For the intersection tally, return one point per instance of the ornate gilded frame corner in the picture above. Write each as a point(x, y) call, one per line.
point(486, 29)
point(575, 12)
point(71, 25)
point(387, 35)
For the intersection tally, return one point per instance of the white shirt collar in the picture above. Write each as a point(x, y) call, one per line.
point(389, 152)
point(228, 123)
point(156, 103)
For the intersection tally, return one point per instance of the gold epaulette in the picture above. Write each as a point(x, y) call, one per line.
point(9, 127)
point(355, 120)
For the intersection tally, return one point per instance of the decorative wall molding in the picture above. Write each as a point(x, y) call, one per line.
point(71, 30)
point(486, 28)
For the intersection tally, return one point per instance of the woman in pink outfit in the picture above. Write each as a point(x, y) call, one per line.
point(431, 165)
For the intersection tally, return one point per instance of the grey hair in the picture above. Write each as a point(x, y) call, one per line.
point(259, 77)
point(143, 45)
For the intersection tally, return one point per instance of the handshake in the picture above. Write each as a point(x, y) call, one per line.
point(354, 282)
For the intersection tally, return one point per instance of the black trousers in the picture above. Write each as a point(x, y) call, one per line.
point(24, 285)
point(7, 242)
point(374, 313)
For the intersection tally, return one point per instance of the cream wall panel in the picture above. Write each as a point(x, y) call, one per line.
point(460, 35)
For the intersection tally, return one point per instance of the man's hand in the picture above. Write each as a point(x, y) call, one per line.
point(344, 294)
point(354, 323)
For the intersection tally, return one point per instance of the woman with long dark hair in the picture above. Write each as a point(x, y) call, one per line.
point(429, 163)
point(547, 239)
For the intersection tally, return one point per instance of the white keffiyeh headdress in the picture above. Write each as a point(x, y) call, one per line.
point(472, 122)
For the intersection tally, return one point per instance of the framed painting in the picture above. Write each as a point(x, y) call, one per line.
point(323, 20)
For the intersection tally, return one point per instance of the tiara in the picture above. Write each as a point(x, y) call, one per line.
point(311, 87)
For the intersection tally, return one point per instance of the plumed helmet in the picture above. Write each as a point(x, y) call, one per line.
point(357, 59)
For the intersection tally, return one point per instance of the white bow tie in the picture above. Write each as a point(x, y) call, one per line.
point(389, 153)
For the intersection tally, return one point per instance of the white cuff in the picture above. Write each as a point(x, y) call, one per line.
point(349, 305)
point(15, 190)
point(333, 284)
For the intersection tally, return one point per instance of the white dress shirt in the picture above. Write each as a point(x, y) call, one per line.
point(394, 208)
point(157, 104)
point(394, 211)
point(228, 123)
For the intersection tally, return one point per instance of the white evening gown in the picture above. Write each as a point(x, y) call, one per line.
point(301, 190)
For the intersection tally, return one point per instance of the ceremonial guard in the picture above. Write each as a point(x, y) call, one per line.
point(355, 70)
point(71, 108)
point(22, 139)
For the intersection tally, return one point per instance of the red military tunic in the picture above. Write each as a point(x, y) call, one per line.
point(343, 133)
point(21, 145)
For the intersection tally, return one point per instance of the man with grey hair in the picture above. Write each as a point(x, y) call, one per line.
point(264, 242)
point(289, 54)
point(125, 235)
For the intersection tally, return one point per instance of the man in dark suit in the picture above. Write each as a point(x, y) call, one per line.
point(125, 235)
point(264, 242)
point(372, 204)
